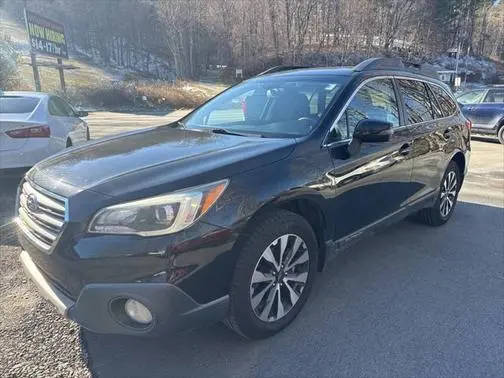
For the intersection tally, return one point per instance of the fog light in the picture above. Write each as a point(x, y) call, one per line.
point(137, 312)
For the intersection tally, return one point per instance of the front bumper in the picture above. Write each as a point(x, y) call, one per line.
point(172, 309)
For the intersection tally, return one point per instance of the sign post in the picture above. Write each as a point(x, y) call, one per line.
point(61, 74)
point(36, 75)
point(46, 37)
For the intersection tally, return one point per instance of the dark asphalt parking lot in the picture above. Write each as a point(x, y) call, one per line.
point(410, 301)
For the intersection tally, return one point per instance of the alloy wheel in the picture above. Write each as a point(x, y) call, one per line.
point(279, 277)
point(448, 194)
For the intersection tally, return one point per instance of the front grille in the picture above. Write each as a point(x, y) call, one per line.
point(41, 215)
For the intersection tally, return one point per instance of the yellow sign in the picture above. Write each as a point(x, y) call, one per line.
point(46, 36)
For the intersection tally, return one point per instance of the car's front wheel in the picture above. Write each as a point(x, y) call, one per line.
point(445, 203)
point(500, 134)
point(273, 275)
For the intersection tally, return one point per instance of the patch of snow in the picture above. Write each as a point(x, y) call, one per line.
point(469, 64)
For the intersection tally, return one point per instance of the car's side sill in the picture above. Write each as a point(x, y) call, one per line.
point(333, 247)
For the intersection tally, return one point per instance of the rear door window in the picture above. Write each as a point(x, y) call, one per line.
point(18, 104)
point(416, 101)
point(59, 108)
point(495, 96)
point(445, 101)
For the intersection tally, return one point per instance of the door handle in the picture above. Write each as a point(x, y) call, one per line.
point(405, 149)
point(447, 133)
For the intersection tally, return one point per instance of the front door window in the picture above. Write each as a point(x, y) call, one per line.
point(376, 100)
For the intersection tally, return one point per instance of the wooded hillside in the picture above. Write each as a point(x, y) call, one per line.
point(190, 35)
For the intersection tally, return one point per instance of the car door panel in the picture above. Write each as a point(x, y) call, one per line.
point(470, 105)
point(370, 185)
point(371, 181)
point(486, 115)
point(66, 124)
point(433, 143)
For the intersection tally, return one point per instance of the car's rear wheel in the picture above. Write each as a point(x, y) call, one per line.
point(445, 203)
point(273, 275)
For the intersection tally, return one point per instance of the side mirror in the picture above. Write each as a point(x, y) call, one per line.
point(81, 113)
point(371, 130)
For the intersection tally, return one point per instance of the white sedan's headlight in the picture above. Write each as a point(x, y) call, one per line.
point(158, 215)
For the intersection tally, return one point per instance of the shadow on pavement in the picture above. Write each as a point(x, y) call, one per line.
point(410, 301)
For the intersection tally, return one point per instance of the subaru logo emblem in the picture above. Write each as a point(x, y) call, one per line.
point(32, 203)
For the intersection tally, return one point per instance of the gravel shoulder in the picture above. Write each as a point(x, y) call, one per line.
point(35, 341)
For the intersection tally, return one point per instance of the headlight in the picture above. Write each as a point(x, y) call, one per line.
point(158, 215)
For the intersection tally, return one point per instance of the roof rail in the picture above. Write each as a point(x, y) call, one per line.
point(280, 69)
point(380, 64)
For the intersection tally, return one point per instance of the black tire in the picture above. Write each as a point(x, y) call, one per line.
point(500, 134)
point(264, 230)
point(433, 216)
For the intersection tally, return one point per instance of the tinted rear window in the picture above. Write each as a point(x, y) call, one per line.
point(446, 103)
point(17, 104)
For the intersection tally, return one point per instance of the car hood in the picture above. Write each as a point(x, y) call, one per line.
point(158, 156)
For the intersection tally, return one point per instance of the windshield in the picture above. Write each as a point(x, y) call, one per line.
point(471, 97)
point(275, 107)
point(17, 104)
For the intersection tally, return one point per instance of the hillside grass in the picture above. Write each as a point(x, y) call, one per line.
point(93, 86)
point(84, 75)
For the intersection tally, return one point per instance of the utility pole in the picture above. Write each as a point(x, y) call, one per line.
point(465, 76)
point(458, 56)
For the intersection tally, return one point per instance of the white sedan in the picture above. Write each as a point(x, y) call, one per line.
point(34, 126)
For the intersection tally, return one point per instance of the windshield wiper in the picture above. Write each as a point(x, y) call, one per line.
point(227, 132)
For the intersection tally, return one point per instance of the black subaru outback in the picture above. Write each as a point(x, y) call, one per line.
point(230, 213)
